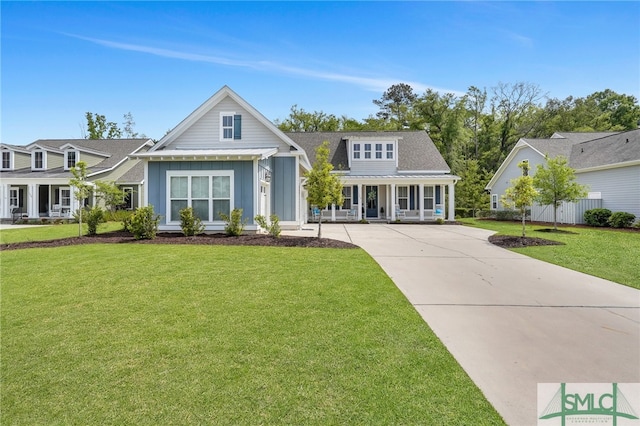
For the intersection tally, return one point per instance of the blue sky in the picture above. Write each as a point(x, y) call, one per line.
point(161, 60)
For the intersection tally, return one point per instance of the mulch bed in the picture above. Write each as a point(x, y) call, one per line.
point(122, 237)
point(509, 241)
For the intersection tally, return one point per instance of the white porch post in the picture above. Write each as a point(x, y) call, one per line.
point(393, 202)
point(452, 211)
point(360, 202)
point(333, 212)
point(31, 200)
point(421, 202)
point(73, 202)
point(4, 200)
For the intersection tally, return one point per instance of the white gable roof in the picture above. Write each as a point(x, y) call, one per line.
point(222, 94)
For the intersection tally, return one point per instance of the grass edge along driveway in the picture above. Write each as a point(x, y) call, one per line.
point(602, 252)
point(155, 334)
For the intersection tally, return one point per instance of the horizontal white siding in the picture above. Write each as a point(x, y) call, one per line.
point(619, 188)
point(205, 133)
point(512, 171)
point(373, 167)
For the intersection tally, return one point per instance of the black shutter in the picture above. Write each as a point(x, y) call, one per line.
point(237, 126)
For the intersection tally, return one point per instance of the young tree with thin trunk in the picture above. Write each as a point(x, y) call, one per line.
point(81, 189)
point(323, 187)
point(520, 195)
point(557, 183)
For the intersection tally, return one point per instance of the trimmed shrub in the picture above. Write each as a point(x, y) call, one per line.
point(486, 214)
point(621, 220)
point(143, 224)
point(463, 212)
point(93, 216)
point(597, 217)
point(507, 215)
point(190, 223)
point(117, 215)
point(274, 228)
point(234, 224)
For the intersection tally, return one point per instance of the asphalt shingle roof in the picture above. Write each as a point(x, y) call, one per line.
point(617, 148)
point(416, 150)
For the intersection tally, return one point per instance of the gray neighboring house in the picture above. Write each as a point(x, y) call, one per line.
point(608, 163)
point(227, 155)
point(35, 178)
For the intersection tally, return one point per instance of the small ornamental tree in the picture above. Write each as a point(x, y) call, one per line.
point(323, 187)
point(520, 195)
point(110, 194)
point(81, 189)
point(556, 183)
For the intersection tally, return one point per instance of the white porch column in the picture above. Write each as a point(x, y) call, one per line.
point(333, 212)
point(393, 202)
point(4, 201)
point(360, 202)
point(452, 203)
point(73, 202)
point(421, 202)
point(32, 210)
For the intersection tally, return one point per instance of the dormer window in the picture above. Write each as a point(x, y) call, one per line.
point(389, 151)
point(38, 160)
point(230, 126)
point(356, 151)
point(70, 159)
point(7, 160)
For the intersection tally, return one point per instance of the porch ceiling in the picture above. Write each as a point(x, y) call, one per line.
point(404, 178)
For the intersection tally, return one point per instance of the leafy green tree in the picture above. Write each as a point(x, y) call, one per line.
point(556, 183)
point(323, 187)
point(520, 195)
point(470, 193)
point(110, 194)
point(99, 128)
point(300, 120)
point(81, 188)
point(476, 101)
point(396, 105)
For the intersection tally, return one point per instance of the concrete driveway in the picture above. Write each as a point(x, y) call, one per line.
point(511, 321)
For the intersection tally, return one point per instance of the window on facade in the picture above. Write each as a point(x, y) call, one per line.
point(356, 151)
point(378, 150)
point(403, 197)
point(346, 196)
point(208, 195)
point(6, 160)
point(389, 151)
point(227, 127)
point(428, 198)
point(127, 202)
point(71, 159)
point(494, 201)
point(38, 160)
point(367, 150)
point(14, 201)
point(65, 197)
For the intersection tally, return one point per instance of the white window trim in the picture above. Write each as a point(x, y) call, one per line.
point(14, 190)
point(190, 173)
point(426, 197)
point(345, 198)
point(222, 115)
point(494, 201)
point(64, 188)
point(373, 152)
point(44, 160)
point(407, 197)
point(66, 158)
point(11, 160)
point(129, 189)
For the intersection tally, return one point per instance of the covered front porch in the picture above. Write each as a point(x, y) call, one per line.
point(410, 199)
point(22, 201)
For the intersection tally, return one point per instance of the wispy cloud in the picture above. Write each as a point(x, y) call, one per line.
point(375, 84)
point(520, 39)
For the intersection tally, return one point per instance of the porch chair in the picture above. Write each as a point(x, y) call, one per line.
point(56, 211)
point(315, 213)
point(351, 214)
point(400, 213)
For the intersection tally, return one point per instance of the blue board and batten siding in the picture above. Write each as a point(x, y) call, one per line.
point(284, 187)
point(243, 174)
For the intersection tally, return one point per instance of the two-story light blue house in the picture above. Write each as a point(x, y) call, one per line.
point(227, 155)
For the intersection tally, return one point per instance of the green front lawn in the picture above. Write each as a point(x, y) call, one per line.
point(160, 334)
point(602, 252)
point(51, 232)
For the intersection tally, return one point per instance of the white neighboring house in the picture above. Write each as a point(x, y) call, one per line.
point(608, 163)
point(35, 178)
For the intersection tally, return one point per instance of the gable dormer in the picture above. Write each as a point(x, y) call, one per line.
point(73, 153)
point(7, 159)
point(14, 157)
point(38, 159)
point(372, 155)
point(71, 158)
